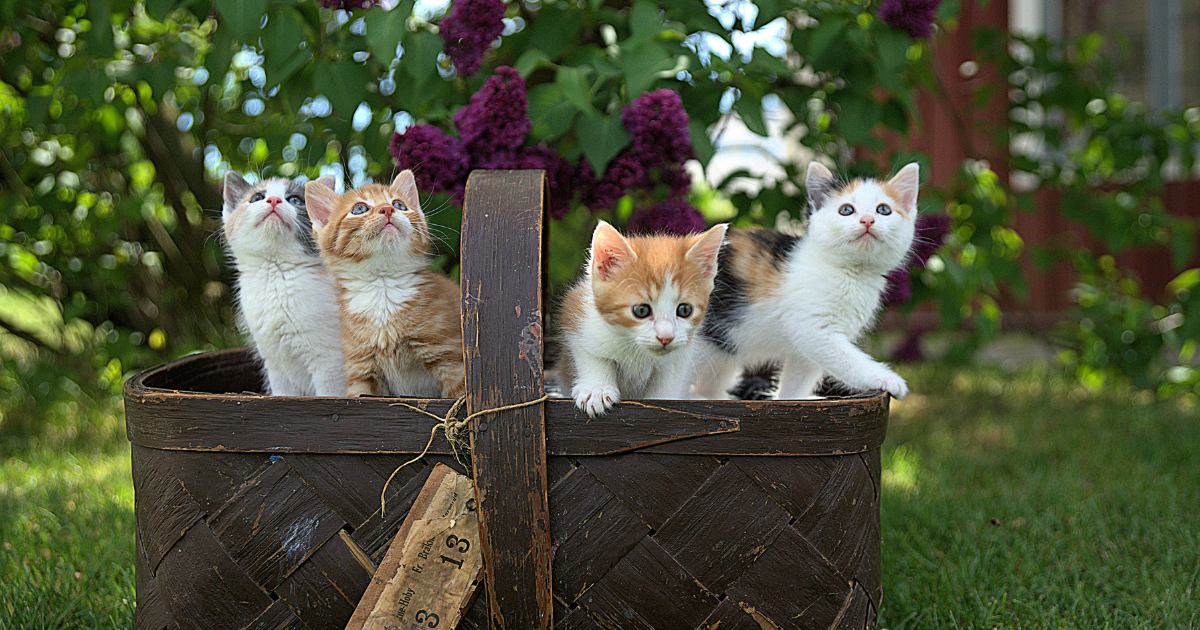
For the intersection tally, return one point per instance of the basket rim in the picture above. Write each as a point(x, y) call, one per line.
point(161, 417)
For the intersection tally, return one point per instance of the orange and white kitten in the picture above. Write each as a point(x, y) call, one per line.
point(628, 324)
point(401, 324)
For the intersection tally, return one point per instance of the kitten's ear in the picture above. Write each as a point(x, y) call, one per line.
point(320, 201)
point(905, 184)
point(818, 184)
point(610, 251)
point(706, 248)
point(329, 180)
point(405, 186)
point(234, 189)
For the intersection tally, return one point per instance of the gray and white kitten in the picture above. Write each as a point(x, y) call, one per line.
point(287, 302)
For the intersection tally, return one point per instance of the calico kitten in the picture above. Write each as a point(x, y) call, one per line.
point(629, 323)
point(400, 321)
point(805, 301)
point(286, 298)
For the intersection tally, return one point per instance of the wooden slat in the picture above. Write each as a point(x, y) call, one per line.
point(502, 342)
point(167, 419)
point(628, 597)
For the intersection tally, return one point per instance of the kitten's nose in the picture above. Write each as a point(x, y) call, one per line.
point(386, 210)
point(665, 340)
point(274, 201)
point(867, 220)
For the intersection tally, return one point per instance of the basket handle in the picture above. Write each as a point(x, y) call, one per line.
point(501, 265)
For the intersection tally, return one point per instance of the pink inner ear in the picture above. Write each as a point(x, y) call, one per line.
point(606, 259)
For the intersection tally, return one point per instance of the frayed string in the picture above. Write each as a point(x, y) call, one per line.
point(453, 429)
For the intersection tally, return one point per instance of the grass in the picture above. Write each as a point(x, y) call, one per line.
point(66, 540)
point(1020, 501)
point(1009, 501)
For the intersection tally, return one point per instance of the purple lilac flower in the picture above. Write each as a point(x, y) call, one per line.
point(560, 175)
point(673, 216)
point(676, 179)
point(659, 128)
point(914, 17)
point(469, 30)
point(909, 351)
point(497, 118)
point(437, 159)
point(899, 286)
point(932, 230)
point(624, 173)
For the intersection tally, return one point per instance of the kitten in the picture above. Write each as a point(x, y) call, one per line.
point(286, 298)
point(629, 323)
point(400, 321)
point(805, 301)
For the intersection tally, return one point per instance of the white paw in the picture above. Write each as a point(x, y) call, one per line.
point(595, 400)
point(891, 383)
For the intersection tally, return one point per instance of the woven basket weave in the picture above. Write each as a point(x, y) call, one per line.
point(265, 512)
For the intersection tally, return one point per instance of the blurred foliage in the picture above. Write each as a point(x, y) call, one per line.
point(119, 116)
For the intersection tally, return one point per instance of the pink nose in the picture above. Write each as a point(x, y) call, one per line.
point(666, 340)
point(274, 201)
point(386, 210)
point(867, 220)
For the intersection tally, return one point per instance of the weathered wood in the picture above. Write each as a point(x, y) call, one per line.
point(502, 346)
point(167, 419)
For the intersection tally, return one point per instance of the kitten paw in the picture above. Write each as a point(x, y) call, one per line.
point(595, 401)
point(891, 383)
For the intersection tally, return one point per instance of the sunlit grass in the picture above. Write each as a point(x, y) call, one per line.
point(1024, 501)
point(66, 541)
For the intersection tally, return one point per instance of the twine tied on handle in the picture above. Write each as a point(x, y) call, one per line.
point(454, 429)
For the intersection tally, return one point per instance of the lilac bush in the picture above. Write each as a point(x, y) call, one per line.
point(469, 30)
point(437, 159)
point(673, 216)
point(914, 17)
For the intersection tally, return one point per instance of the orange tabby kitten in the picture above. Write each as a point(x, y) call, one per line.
point(401, 327)
point(629, 324)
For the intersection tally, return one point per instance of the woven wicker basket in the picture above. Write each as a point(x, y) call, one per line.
point(264, 512)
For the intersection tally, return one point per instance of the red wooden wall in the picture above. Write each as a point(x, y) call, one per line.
point(976, 104)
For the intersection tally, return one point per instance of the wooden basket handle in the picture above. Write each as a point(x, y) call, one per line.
point(501, 270)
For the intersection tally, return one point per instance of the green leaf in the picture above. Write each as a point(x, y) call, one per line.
point(700, 143)
point(768, 10)
point(573, 82)
point(893, 48)
point(343, 83)
point(644, 19)
point(857, 116)
point(100, 37)
point(822, 39)
point(531, 60)
point(219, 56)
point(241, 17)
point(281, 43)
point(421, 51)
point(160, 9)
point(385, 29)
point(602, 137)
point(159, 76)
point(556, 29)
point(549, 111)
point(642, 63)
point(750, 111)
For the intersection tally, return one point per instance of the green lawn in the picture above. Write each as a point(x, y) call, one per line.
point(1009, 501)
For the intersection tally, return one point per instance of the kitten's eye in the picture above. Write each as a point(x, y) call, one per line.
point(641, 311)
point(359, 208)
point(846, 210)
point(296, 200)
point(399, 205)
point(684, 310)
point(257, 197)
point(883, 209)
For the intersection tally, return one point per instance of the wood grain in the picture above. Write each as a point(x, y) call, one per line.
point(502, 344)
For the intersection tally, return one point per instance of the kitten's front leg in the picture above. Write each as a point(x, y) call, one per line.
point(672, 380)
point(595, 389)
point(849, 364)
point(361, 379)
point(713, 371)
point(798, 378)
point(329, 377)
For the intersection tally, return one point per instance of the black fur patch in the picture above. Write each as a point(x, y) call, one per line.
point(304, 226)
point(726, 306)
point(757, 383)
point(778, 244)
